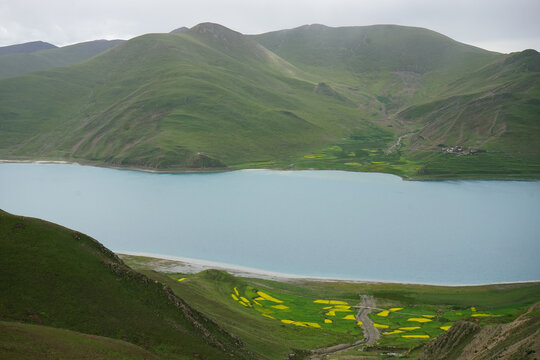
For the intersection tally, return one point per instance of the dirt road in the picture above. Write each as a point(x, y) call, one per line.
point(371, 334)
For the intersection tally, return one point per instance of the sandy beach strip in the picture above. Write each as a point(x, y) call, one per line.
point(183, 265)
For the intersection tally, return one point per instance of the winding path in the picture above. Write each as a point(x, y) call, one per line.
point(371, 334)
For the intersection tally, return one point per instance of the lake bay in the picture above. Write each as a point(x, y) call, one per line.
point(317, 223)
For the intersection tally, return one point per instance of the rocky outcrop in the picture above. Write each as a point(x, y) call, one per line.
point(445, 345)
point(519, 339)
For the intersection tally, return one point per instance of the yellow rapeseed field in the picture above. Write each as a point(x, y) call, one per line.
point(264, 296)
point(415, 336)
point(392, 332)
point(420, 320)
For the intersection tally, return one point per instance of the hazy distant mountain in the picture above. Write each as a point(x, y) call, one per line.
point(26, 48)
point(376, 98)
point(179, 30)
point(17, 64)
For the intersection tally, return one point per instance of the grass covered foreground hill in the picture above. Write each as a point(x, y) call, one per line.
point(309, 318)
point(381, 98)
point(63, 295)
point(57, 278)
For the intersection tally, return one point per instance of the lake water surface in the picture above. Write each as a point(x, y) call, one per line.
point(319, 223)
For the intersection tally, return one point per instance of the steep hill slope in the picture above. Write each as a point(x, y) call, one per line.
point(493, 111)
point(374, 48)
point(519, 339)
point(165, 100)
point(16, 64)
point(437, 93)
point(57, 277)
point(19, 341)
point(392, 64)
point(26, 48)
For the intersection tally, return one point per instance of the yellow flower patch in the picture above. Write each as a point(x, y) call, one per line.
point(381, 326)
point(280, 307)
point(473, 308)
point(268, 316)
point(409, 328)
point(330, 313)
point(328, 321)
point(420, 320)
point(256, 302)
point(352, 164)
point(429, 316)
point(265, 296)
point(235, 297)
point(392, 332)
point(243, 303)
point(236, 292)
point(331, 302)
point(484, 315)
point(182, 279)
point(383, 313)
point(349, 317)
point(445, 328)
point(415, 336)
point(395, 309)
point(244, 299)
point(359, 323)
point(301, 323)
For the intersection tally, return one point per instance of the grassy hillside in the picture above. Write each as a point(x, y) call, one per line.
point(56, 277)
point(19, 341)
point(260, 325)
point(16, 64)
point(159, 101)
point(378, 98)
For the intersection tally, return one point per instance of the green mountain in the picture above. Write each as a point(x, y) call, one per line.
point(26, 48)
point(166, 101)
point(378, 98)
point(59, 278)
point(15, 64)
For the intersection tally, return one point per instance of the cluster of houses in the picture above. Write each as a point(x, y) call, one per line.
point(459, 150)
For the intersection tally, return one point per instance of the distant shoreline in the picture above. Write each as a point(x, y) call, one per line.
point(224, 170)
point(192, 266)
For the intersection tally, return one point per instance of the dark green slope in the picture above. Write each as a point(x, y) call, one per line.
point(54, 276)
point(20, 341)
point(16, 64)
point(159, 101)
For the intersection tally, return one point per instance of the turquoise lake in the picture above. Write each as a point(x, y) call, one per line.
point(318, 223)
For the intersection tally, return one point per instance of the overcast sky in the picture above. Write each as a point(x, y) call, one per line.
point(498, 25)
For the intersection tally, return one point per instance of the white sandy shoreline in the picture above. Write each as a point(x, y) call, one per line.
point(167, 263)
